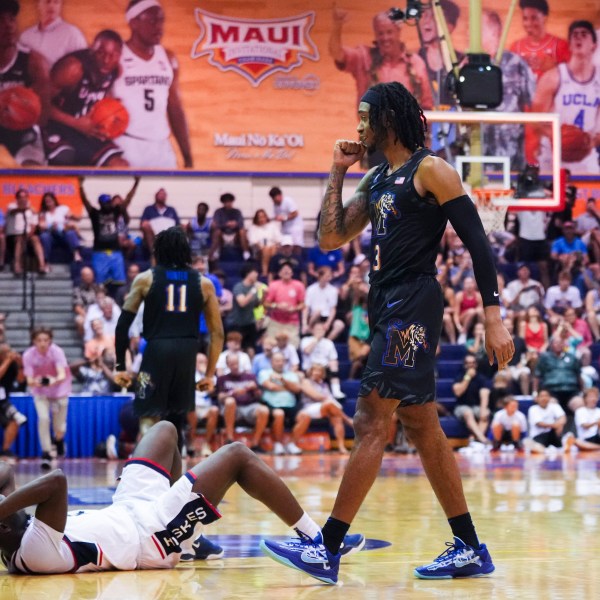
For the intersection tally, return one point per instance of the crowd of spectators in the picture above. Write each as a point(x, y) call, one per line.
point(288, 309)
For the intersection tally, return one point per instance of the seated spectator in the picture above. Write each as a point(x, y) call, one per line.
point(227, 229)
point(568, 248)
point(201, 265)
point(500, 390)
point(560, 297)
point(517, 367)
point(99, 342)
point(547, 421)
point(523, 291)
point(587, 226)
point(10, 418)
point(133, 270)
point(286, 256)
point(468, 309)
point(358, 338)
point(505, 311)
point(290, 354)
point(334, 259)
point(472, 393)
point(262, 360)
point(287, 213)
point(84, 295)
point(559, 372)
point(317, 349)
point(264, 236)
point(572, 339)
point(57, 227)
point(96, 374)
point(105, 311)
point(285, 303)
point(199, 230)
point(233, 346)
point(107, 258)
point(350, 291)
point(448, 291)
point(156, 218)
point(461, 267)
point(592, 311)
point(534, 331)
point(245, 300)
point(21, 227)
point(509, 424)
point(587, 420)
point(226, 297)
point(205, 414)
point(126, 241)
point(317, 402)
point(279, 388)
point(320, 305)
point(239, 398)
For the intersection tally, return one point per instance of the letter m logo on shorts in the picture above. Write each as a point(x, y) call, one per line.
point(255, 48)
point(403, 343)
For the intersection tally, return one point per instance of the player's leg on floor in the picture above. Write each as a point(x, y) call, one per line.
point(235, 463)
point(160, 446)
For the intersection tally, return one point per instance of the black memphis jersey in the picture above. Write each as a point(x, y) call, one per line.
point(173, 304)
point(17, 73)
point(407, 228)
point(93, 86)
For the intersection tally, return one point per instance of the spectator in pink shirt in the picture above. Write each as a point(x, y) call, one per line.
point(285, 302)
point(49, 379)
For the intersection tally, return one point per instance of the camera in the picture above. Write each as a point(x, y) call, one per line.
point(479, 83)
point(45, 381)
point(414, 10)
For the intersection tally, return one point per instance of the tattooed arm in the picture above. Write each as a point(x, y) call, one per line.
point(341, 222)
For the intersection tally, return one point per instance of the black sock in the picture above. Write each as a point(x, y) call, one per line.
point(334, 532)
point(463, 528)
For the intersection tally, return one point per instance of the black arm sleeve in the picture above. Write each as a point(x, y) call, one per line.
point(122, 337)
point(463, 216)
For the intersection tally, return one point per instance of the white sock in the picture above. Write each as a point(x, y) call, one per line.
point(307, 526)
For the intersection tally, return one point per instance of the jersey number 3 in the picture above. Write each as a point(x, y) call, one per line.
point(181, 292)
point(377, 259)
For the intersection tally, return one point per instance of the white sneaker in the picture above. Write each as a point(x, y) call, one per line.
point(205, 451)
point(462, 338)
point(293, 449)
point(278, 449)
point(111, 447)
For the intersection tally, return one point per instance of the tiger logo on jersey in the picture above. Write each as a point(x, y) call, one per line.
point(403, 343)
point(144, 383)
point(383, 207)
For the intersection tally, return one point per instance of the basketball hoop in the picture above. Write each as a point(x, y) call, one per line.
point(492, 206)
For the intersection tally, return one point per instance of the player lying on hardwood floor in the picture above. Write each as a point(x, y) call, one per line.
point(156, 514)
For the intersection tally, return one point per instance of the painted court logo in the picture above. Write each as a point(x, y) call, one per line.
point(255, 48)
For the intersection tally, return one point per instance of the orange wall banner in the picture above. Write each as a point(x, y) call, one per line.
point(65, 188)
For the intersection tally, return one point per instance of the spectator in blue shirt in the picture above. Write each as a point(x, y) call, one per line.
point(157, 217)
point(201, 265)
point(318, 258)
point(569, 248)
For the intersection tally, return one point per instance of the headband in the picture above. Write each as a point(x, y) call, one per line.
point(137, 9)
point(371, 97)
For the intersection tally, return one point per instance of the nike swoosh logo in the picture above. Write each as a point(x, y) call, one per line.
point(390, 304)
point(496, 294)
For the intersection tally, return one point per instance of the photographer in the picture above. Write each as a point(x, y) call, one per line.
point(49, 378)
point(10, 418)
point(96, 373)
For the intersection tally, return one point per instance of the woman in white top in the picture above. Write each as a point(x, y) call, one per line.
point(264, 236)
point(57, 227)
point(318, 403)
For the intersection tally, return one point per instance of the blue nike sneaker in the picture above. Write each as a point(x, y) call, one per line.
point(459, 560)
point(352, 543)
point(306, 555)
point(204, 549)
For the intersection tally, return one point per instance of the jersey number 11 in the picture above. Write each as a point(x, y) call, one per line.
point(181, 292)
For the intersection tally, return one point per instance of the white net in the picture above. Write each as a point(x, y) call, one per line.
point(491, 213)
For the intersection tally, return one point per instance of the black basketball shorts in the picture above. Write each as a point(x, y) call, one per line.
point(406, 322)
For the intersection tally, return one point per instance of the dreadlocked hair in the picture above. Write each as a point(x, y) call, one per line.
point(399, 111)
point(172, 249)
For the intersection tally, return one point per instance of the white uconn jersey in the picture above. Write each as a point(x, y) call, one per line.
point(143, 87)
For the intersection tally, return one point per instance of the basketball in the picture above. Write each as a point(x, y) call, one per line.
point(110, 116)
point(576, 144)
point(20, 108)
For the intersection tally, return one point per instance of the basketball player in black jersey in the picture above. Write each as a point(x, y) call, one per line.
point(174, 295)
point(79, 80)
point(409, 200)
point(27, 68)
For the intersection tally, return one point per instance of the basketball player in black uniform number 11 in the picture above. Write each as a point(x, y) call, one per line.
point(174, 295)
point(409, 201)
